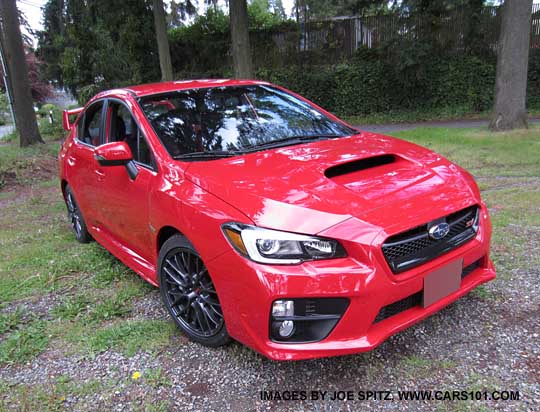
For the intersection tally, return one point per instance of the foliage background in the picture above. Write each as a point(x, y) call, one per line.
point(92, 45)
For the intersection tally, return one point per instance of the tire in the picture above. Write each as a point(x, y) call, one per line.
point(75, 217)
point(189, 294)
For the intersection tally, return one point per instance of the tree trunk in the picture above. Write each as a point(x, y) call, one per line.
point(511, 80)
point(5, 75)
point(25, 117)
point(241, 50)
point(162, 41)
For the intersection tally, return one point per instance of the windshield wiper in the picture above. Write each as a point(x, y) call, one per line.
point(209, 155)
point(289, 141)
point(286, 141)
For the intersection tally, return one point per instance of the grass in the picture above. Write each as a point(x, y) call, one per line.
point(51, 396)
point(481, 292)
point(156, 378)
point(71, 308)
point(57, 394)
point(131, 336)
point(10, 320)
point(40, 259)
point(25, 343)
point(93, 294)
point(416, 362)
point(484, 154)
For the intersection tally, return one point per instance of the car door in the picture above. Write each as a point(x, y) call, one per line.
point(125, 201)
point(84, 170)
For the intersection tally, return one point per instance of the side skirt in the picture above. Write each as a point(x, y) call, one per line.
point(127, 256)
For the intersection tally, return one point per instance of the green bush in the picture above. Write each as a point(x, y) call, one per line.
point(533, 86)
point(368, 86)
point(462, 81)
point(50, 130)
point(363, 87)
point(318, 84)
point(4, 108)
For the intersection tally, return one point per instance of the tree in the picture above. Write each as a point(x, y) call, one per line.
point(241, 49)
point(89, 45)
point(40, 90)
point(307, 10)
point(278, 9)
point(179, 11)
point(511, 78)
point(52, 40)
point(265, 13)
point(162, 41)
point(12, 45)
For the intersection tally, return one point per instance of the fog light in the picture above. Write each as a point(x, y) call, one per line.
point(286, 328)
point(283, 308)
point(304, 320)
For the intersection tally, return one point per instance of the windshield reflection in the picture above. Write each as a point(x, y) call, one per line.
point(227, 120)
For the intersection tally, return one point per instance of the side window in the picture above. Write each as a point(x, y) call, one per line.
point(80, 128)
point(144, 154)
point(91, 125)
point(121, 127)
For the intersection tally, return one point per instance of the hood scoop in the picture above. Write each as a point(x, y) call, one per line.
point(381, 176)
point(359, 165)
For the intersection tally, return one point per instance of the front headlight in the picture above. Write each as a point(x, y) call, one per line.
point(272, 246)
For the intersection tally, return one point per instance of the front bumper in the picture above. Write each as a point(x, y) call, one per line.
point(247, 290)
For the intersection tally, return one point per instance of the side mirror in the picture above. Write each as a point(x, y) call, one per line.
point(113, 154)
point(116, 154)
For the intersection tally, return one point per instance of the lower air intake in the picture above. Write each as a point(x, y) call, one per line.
point(416, 299)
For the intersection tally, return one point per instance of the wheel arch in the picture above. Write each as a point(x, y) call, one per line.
point(165, 233)
point(63, 184)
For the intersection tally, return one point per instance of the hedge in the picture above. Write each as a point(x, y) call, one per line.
point(374, 86)
point(375, 83)
point(368, 87)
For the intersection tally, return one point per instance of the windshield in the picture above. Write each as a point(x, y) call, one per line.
point(226, 121)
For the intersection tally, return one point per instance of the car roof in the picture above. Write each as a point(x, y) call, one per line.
point(164, 87)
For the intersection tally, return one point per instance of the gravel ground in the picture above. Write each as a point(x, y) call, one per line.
point(485, 341)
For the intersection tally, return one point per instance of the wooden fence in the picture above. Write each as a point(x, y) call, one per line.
point(457, 31)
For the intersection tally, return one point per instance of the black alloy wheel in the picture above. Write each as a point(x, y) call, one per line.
point(189, 293)
point(75, 217)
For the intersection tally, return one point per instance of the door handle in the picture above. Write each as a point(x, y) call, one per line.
point(100, 175)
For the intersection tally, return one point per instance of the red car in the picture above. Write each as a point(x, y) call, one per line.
point(266, 219)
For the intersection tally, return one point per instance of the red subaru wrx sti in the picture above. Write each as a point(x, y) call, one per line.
point(266, 219)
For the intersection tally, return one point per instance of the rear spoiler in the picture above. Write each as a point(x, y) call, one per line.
point(65, 117)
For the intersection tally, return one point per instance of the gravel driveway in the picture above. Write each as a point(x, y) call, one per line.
point(487, 341)
point(480, 342)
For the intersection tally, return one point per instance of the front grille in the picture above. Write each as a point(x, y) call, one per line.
point(416, 299)
point(415, 247)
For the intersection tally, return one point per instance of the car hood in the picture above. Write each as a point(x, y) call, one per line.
point(310, 187)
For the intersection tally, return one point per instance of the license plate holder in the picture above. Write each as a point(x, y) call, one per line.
point(442, 282)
